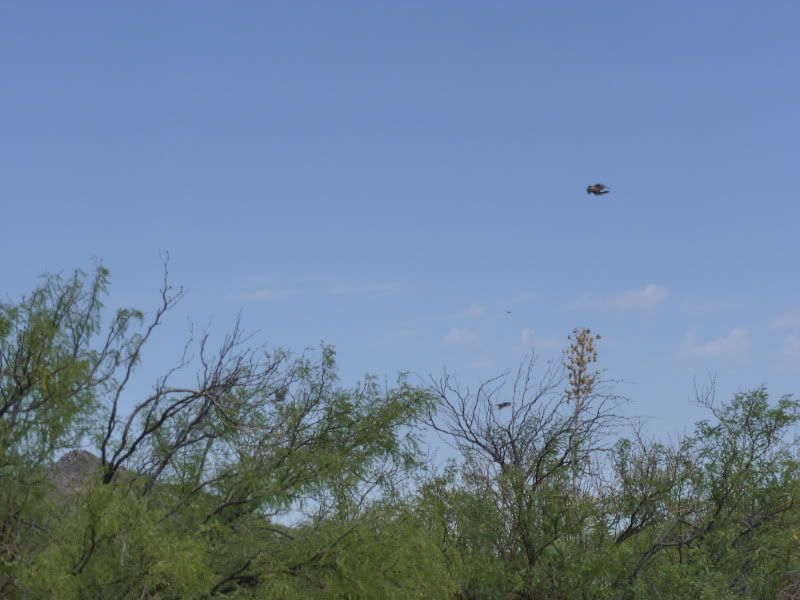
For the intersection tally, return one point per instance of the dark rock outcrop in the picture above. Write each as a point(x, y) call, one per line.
point(73, 470)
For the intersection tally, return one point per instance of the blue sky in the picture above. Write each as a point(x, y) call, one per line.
point(392, 177)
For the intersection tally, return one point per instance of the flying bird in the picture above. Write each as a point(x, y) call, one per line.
point(598, 189)
point(503, 405)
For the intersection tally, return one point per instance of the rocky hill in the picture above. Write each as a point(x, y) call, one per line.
point(73, 469)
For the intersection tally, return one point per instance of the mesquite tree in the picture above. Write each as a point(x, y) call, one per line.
point(529, 445)
point(243, 471)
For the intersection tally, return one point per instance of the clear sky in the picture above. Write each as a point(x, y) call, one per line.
point(391, 177)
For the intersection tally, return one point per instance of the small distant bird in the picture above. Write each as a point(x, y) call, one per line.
point(598, 189)
point(280, 394)
point(503, 405)
point(508, 312)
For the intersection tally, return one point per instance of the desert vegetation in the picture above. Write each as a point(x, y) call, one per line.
point(252, 472)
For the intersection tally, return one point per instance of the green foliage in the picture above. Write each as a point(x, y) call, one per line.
point(47, 368)
point(109, 543)
point(715, 515)
point(183, 499)
point(261, 476)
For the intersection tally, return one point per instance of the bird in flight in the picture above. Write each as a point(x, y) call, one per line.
point(503, 405)
point(598, 189)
